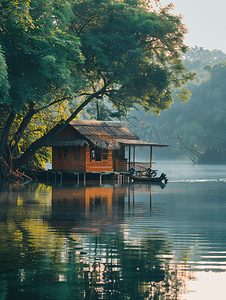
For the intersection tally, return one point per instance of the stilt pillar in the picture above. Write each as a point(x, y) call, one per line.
point(129, 157)
point(55, 173)
point(134, 156)
point(61, 177)
point(150, 156)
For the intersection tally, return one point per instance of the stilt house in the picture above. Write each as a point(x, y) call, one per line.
point(95, 146)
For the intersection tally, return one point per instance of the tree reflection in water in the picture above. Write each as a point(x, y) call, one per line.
point(75, 247)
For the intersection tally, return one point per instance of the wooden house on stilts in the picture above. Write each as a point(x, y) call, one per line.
point(85, 147)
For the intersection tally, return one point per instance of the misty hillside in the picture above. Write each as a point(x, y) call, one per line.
point(194, 129)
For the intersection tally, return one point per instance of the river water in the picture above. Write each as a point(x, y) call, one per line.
point(136, 241)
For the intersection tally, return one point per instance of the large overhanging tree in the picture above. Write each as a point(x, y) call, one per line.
point(81, 51)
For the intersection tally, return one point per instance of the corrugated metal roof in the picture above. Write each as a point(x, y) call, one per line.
point(66, 141)
point(103, 134)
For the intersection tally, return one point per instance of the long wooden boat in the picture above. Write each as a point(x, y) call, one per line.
point(159, 179)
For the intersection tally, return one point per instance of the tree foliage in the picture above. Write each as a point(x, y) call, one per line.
point(131, 51)
point(82, 51)
point(40, 59)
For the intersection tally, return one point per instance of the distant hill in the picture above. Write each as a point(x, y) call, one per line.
point(195, 129)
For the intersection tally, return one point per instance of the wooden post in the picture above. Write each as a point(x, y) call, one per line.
point(150, 199)
point(84, 178)
point(133, 198)
point(112, 176)
point(134, 156)
point(77, 178)
point(150, 156)
point(100, 178)
point(129, 158)
point(61, 177)
point(129, 197)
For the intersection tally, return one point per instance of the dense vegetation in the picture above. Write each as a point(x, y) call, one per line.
point(58, 56)
point(195, 129)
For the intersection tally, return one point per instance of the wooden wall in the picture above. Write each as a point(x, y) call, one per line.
point(68, 160)
point(99, 166)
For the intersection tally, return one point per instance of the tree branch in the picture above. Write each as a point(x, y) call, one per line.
point(86, 23)
point(197, 153)
point(6, 131)
point(32, 149)
point(31, 111)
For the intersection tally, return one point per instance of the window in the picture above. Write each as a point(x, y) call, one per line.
point(59, 152)
point(105, 154)
point(121, 153)
point(92, 152)
point(77, 153)
point(62, 152)
point(96, 153)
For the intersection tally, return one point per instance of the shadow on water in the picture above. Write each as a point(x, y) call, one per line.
point(137, 241)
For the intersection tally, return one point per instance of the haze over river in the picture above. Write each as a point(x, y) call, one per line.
point(136, 241)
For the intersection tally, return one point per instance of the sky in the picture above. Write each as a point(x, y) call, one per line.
point(205, 20)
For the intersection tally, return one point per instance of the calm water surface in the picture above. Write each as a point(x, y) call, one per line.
point(136, 241)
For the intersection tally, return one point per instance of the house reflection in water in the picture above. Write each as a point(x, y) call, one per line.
point(112, 256)
point(90, 209)
point(93, 209)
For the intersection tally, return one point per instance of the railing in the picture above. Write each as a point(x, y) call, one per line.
point(121, 165)
point(139, 166)
point(124, 166)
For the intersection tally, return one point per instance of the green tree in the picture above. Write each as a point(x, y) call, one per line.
point(132, 55)
point(40, 59)
point(201, 60)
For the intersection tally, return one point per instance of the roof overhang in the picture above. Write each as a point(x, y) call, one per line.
point(139, 143)
point(110, 145)
point(66, 141)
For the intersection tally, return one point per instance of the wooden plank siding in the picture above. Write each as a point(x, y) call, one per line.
point(67, 160)
point(99, 166)
point(70, 162)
